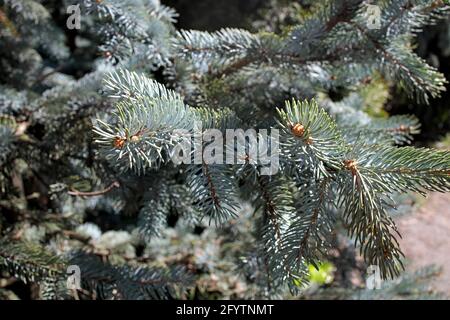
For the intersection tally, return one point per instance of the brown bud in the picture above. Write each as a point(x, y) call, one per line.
point(351, 165)
point(118, 142)
point(134, 138)
point(298, 130)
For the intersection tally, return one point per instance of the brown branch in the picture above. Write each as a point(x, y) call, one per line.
point(7, 282)
point(342, 16)
point(77, 193)
point(237, 65)
point(211, 187)
point(426, 11)
point(388, 56)
point(444, 172)
point(313, 220)
point(270, 210)
point(74, 235)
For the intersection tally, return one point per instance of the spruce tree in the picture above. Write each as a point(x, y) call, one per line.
point(92, 118)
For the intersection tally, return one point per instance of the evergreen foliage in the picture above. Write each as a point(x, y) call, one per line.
point(85, 157)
